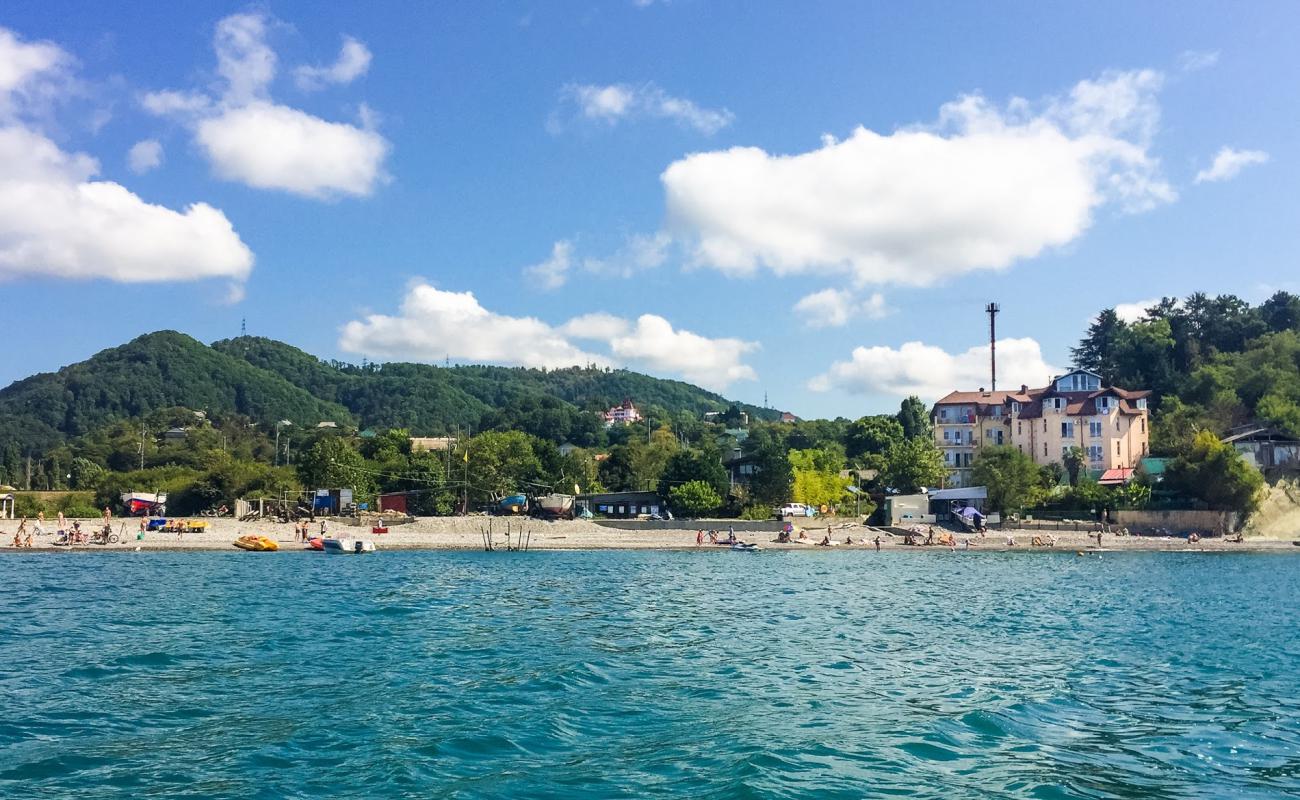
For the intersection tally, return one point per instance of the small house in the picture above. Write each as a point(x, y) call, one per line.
point(1266, 449)
point(622, 505)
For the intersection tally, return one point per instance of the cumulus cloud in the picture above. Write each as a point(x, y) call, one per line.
point(27, 68)
point(352, 63)
point(55, 220)
point(249, 138)
point(269, 146)
point(834, 308)
point(145, 155)
point(58, 221)
point(434, 324)
point(1228, 163)
point(979, 190)
point(931, 372)
point(553, 273)
point(617, 102)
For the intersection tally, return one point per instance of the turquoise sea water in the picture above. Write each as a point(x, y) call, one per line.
point(649, 674)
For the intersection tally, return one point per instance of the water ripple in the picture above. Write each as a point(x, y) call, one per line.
point(778, 675)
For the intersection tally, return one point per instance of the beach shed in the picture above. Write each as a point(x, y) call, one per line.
point(622, 505)
point(393, 501)
point(944, 501)
point(331, 501)
point(1265, 448)
point(6, 502)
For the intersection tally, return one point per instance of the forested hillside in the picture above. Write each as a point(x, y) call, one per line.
point(1214, 362)
point(266, 380)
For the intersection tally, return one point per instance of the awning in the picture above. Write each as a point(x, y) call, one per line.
point(964, 493)
point(1115, 477)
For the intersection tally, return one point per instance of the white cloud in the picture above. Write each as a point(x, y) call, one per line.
point(172, 103)
point(980, 190)
point(616, 102)
point(931, 372)
point(639, 252)
point(553, 273)
point(270, 146)
point(1132, 312)
point(145, 155)
point(1193, 60)
point(22, 64)
point(243, 57)
point(249, 138)
point(56, 221)
point(353, 61)
point(833, 308)
point(434, 324)
point(1228, 163)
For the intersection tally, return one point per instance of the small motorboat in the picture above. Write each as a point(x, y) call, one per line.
point(256, 544)
point(745, 546)
point(347, 546)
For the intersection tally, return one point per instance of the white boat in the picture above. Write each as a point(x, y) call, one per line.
point(348, 546)
point(745, 546)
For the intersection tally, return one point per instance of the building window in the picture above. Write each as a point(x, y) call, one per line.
point(1015, 408)
point(1044, 449)
point(1067, 430)
point(1142, 403)
point(1103, 405)
point(1020, 428)
point(1117, 448)
point(1094, 429)
point(943, 413)
point(1144, 424)
point(1044, 425)
point(1094, 452)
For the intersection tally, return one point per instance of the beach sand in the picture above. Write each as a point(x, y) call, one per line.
point(465, 533)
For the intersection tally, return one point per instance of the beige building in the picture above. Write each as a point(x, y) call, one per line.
point(1110, 425)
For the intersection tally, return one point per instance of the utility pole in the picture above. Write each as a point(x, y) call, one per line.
point(142, 431)
point(992, 310)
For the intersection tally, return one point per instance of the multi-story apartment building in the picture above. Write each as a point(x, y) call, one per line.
point(1110, 425)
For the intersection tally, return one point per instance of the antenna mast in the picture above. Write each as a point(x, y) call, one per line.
point(992, 310)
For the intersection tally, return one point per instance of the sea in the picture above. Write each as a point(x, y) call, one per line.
point(609, 674)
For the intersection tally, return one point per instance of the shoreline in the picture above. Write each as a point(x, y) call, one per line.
point(467, 534)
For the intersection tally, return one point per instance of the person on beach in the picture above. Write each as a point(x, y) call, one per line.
point(877, 541)
point(848, 538)
point(39, 527)
point(144, 525)
point(1099, 538)
point(63, 524)
point(731, 534)
point(803, 535)
point(108, 516)
point(825, 542)
point(699, 537)
point(322, 529)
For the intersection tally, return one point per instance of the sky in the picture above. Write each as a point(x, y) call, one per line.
point(803, 205)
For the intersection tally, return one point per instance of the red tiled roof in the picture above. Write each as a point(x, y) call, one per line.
point(1115, 476)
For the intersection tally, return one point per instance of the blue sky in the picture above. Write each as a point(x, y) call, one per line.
point(810, 202)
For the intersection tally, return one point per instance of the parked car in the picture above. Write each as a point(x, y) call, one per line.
point(795, 510)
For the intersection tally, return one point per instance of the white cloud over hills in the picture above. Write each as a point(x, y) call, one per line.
point(930, 372)
point(434, 324)
point(57, 220)
point(249, 138)
point(979, 190)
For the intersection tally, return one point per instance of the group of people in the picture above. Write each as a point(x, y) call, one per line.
point(67, 534)
point(302, 530)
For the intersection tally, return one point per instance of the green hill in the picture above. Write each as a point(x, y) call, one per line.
point(268, 380)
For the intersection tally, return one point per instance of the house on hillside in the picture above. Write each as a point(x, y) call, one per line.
point(1266, 449)
point(432, 444)
point(788, 418)
point(1109, 424)
point(622, 414)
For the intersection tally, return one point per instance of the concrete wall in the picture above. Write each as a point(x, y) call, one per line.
point(739, 525)
point(1178, 521)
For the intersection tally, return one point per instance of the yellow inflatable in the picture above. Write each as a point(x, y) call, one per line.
point(258, 544)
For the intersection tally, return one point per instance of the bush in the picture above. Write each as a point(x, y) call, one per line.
point(757, 512)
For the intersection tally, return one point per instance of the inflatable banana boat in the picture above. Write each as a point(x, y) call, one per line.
point(256, 543)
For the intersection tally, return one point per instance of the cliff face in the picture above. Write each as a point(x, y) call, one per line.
point(1278, 516)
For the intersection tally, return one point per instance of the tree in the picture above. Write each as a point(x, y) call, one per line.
point(914, 416)
point(912, 464)
point(502, 463)
point(694, 498)
point(333, 462)
point(817, 480)
point(773, 477)
point(692, 465)
point(1012, 478)
point(1073, 458)
point(1097, 349)
point(1216, 473)
point(1281, 312)
point(1049, 476)
point(873, 435)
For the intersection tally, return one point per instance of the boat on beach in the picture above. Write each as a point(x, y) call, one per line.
point(256, 544)
point(347, 546)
